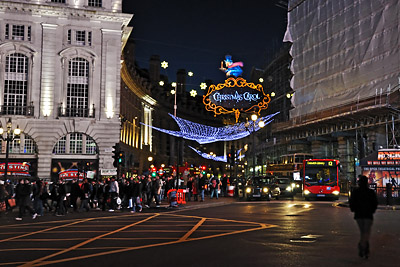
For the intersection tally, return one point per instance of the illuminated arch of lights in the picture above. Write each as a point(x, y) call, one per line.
point(204, 134)
point(208, 156)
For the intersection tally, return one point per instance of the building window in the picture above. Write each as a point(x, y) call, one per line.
point(58, 1)
point(95, 3)
point(18, 32)
point(78, 143)
point(60, 147)
point(29, 145)
point(75, 143)
point(78, 37)
point(24, 141)
point(14, 145)
point(90, 146)
point(77, 88)
point(15, 85)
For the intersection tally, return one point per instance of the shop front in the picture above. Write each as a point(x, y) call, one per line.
point(383, 171)
point(72, 169)
point(19, 169)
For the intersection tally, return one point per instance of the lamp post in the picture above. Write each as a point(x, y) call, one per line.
point(10, 136)
point(261, 124)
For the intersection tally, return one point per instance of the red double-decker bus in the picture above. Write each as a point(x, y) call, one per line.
point(321, 178)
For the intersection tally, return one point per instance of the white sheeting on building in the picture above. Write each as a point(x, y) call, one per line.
point(342, 51)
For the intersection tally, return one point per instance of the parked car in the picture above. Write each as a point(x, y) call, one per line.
point(260, 188)
point(286, 186)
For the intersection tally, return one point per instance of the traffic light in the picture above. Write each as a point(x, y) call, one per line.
point(121, 158)
point(115, 156)
point(203, 169)
point(154, 172)
point(230, 159)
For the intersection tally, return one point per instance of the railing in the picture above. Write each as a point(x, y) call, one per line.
point(76, 112)
point(17, 110)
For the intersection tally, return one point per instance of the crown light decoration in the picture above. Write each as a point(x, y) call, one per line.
point(204, 134)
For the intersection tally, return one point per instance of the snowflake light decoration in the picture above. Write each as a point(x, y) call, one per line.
point(193, 93)
point(164, 64)
point(204, 134)
point(203, 86)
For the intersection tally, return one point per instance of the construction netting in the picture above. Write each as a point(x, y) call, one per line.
point(343, 51)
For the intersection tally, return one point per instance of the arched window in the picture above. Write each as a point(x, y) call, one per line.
point(15, 85)
point(75, 143)
point(24, 144)
point(78, 88)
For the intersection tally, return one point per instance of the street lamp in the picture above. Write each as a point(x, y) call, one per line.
point(11, 136)
point(261, 124)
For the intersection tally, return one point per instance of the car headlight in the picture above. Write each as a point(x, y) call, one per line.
point(336, 192)
point(248, 190)
point(265, 189)
point(306, 192)
point(293, 185)
point(289, 188)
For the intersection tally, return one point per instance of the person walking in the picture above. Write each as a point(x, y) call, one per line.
point(85, 195)
point(38, 191)
point(202, 186)
point(363, 202)
point(3, 197)
point(114, 192)
point(24, 201)
point(214, 187)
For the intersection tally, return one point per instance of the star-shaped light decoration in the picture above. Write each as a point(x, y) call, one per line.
point(190, 73)
point(172, 92)
point(161, 83)
point(193, 93)
point(164, 64)
point(173, 84)
point(203, 86)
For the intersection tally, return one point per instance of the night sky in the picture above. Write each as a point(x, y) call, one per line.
point(196, 35)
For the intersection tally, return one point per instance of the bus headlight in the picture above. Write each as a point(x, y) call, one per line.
point(336, 193)
point(248, 190)
point(306, 192)
point(265, 189)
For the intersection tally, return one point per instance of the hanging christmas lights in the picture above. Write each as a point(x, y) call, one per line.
point(204, 134)
point(208, 156)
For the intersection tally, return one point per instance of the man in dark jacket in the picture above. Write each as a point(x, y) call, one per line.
point(23, 192)
point(363, 202)
point(202, 186)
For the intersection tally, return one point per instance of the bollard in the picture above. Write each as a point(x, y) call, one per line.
point(389, 197)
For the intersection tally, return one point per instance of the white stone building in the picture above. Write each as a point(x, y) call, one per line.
point(60, 80)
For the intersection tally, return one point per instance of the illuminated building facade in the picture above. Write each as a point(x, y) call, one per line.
point(60, 83)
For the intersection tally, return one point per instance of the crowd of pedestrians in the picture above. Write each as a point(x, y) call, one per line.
point(36, 197)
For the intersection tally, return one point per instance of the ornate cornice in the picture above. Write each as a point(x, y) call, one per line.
point(56, 11)
point(134, 87)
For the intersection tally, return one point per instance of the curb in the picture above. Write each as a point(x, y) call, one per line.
point(380, 207)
